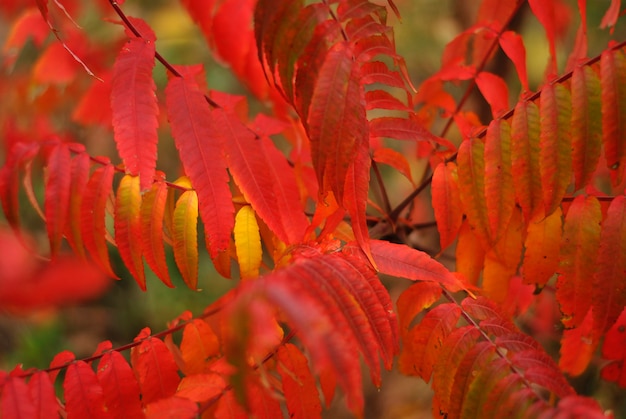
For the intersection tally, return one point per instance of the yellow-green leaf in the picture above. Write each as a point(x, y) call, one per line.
point(185, 237)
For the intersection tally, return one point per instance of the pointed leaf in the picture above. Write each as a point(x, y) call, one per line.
point(612, 80)
point(127, 225)
point(513, 46)
point(155, 369)
point(201, 155)
point(424, 341)
point(185, 237)
point(299, 387)
point(499, 195)
point(79, 174)
point(586, 124)
point(57, 195)
point(336, 121)
point(199, 344)
point(405, 262)
point(542, 245)
point(134, 106)
point(247, 242)
point(609, 287)
point(151, 215)
point(83, 392)
point(447, 203)
point(93, 212)
point(614, 349)
point(121, 390)
point(471, 168)
point(525, 138)
point(555, 155)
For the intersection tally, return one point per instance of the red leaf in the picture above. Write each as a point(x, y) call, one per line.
point(43, 395)
point(90, 109)
point(525, 129)
point(336, 120)
point(405, 129)
point(447, 203)
point(499, 195)
point(542, 246)
point(127, 224)
point(135, 109)
point(394, 159)
point(552, 15)
point(609, 287)
point(155, 369)
point(513, 46)
point(586, 124)
point(413, 301)
point(495, 91)
point(62, 359)
point(83, 392)
point(612, 81)
point(201, 387)
point(202, 158)
point(249, 165)
point(614, 349)
point(424, 341)
point(92, 222)
point(57, 195)
point(172, 407)
point(15, 399)
point(555, 155)
point(121, 390)
point(152, 213)
point(299, 386)
point(406, 262)
point(79, 174)
point(610, 17)
point(578, 347)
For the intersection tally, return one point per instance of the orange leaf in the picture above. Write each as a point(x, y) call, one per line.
point(555, 154)
point(299, 386)
point(199, 344)
point(447, 203)
point(151, 214)
point(127, 225)
point(614, 349)
point(577, 260)
point(93, 211)
point(172, 407)
point(471, 169)
point(577, 347)
point(201, 387)
point(543, 242)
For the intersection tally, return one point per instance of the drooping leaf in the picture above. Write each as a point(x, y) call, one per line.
point(586, 124)
point(425, 340)
point(79, 174)
point(614, 349)
point(578, 255)
point(185, 237)
point(298, 383)
point(261, 401)
point(201, 156)
point(499, 195)
point(495, 91)
point(394, 159)
point(120, 387)
point(15, 399)
point(152, 213)
point(612, 79)
point(555, 155)
point(57, 197)
point(19, 155)
point(134, 105)
point(93, 212)
point(525, 139)
point(336, 121)
point(578, 347)
point(513, 46)
point(247, 242)
point(542, 245)
point(127, 223)
point(471, 169)
point(609, 287)
point(447, 203)
point(83, 393)
point(155, 369)
point(199, 344)
point(43, 395)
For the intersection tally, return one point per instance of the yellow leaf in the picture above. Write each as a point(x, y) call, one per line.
point(185, 237)
point(248, 242)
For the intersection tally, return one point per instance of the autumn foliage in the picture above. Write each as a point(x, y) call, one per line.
point(288, 195)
